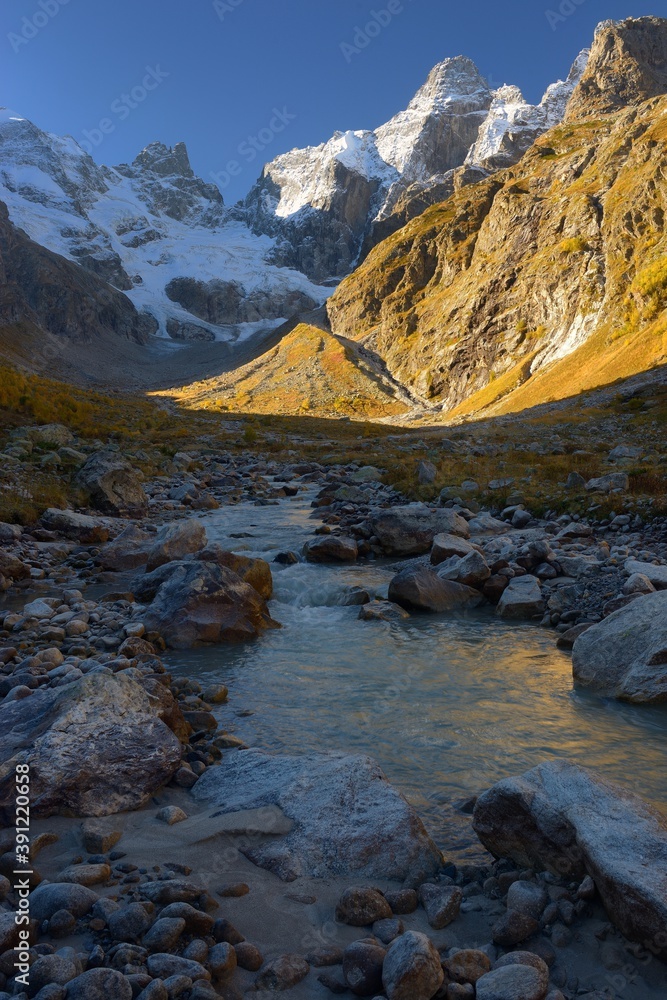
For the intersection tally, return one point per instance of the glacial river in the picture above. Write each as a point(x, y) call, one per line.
point(447, 704)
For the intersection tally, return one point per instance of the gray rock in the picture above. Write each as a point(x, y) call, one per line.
point(361, 907)
point(165, 934)
point(638, 583)
point(467, 965)
point(513, 928)
point(50, 897)
point(55, 435)
point(625, 655)
point(412, 969)
point(129, 923)
point(128, 550)
point(426, 473)
point(99, 984)
point(79, 527)
point(384, 611)
point(112, 484)
point(522, 599)
point(331, 548)
point(50, 969)
point(162, 966)
point(96, 746)
point(348, 820)
point(527, 898)
point(567, 820)
point(656, 574)
point(222, 960)
point(176, 541)
point(411, 530)
point(612, 481)
point(471, 571)
point(441, 902)
point(422, 589)
point(511, 982)
point(282, 973)
point(445, 546)
point(362, 967)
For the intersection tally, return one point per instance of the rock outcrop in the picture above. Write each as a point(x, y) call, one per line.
point(567, 820)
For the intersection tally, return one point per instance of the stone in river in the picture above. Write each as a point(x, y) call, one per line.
point(348, 820)
point(522, 599)
point(331, 548)
point(423, 590)
point(410, 530)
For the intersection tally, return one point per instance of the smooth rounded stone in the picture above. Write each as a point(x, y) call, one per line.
point(47, 899)
point(362, 967)
point(224, 930)
point(197, 951)
point(51, 992)
point(173, 890)
point(176, 541)
point(387, 930)
point(625, 655)
point(521, 599)
point(421, 589)
point(410, 530)
point(5, 887)
point(196, 921)
point(249, 957)
point(512, 982)
point(441, 902)
point(62, 923)
point(331, 548)
point(50, 969)
point(161, 966)
point(202, 990)
point(412, 969)
point(567, 640)
point(178, 986)
point(402, 901)
point(513, 928)
point(85, 874)
point(526, 958)
point(360, 907)
point(460, 991)
point(282, 973)
point(527, 898)
point(222, 960)
point(165, 934)
point(467, 965)
point(171, 815)
point(383, 611)
point(154, 991)
point(129, 923)
point(99, 984)
point(185, 778)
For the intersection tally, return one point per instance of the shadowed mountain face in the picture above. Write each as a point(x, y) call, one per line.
point(545, 278)
point(47, 294)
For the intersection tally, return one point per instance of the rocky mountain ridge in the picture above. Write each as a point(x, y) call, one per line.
point(328, 205)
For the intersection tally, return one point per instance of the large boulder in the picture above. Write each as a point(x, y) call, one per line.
point(112, 485)
point(422, 589)
point(521, 599)
point(200, 603)
point(129, 550)
point(348, 820)
point(50, 435)
point(176, 541)
point(410, 530)
point(625, 655)
point(95, 747)
point(256, 572)
point(79, 527)
point(569, 821)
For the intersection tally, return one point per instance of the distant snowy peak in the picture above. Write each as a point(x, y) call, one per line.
point(154, 230)
point(512, 125)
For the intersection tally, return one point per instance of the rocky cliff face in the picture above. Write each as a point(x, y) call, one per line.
point(143, 227)
point(329, 205)
point(542, 279)
point(41, 292)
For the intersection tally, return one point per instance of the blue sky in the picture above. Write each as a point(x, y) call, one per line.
point(244, 80)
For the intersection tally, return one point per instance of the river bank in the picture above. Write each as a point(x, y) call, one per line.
point(112, 644)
